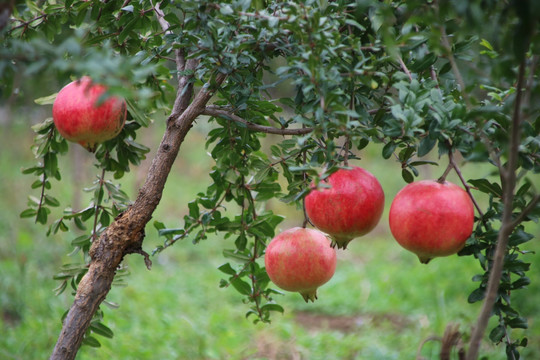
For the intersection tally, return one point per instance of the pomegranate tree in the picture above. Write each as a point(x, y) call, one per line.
point(351, 207)
point(301, 260)
point(431, 218)
point(80, 115)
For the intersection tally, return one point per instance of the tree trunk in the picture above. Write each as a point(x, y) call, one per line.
point(125, 235)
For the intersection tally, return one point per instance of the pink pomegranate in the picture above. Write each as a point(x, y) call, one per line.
point(300, 260)
point(79, 117)
point(432, 219)
point(351, 207)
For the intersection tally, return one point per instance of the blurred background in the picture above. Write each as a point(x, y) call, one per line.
point(381, 304)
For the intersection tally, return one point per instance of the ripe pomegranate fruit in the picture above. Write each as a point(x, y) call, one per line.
point(79, 117)
point(431, 218)
point(351, 207)
point(300, 260)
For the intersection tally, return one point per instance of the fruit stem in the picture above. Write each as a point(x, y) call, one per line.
point(450, 166)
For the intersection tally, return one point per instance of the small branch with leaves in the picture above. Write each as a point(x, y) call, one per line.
point(220, 112)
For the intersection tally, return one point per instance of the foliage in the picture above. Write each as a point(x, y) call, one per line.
point(421, 78)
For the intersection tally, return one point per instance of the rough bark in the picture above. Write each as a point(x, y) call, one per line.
point(508, 181)
point(125, 235)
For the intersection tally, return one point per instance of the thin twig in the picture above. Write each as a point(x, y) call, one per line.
point(467, 189)
point(453, 165)
point(161, 18)
point(304, 174)
point(97, 205)
point(450, 166)
point(217, 112)
point(405, 69)
point(454, 66)
point(526, 211)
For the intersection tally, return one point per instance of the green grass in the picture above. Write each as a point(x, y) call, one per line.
point(381, 304)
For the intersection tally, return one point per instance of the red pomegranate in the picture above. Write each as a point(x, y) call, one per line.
point(80, 117)
point(300, 260)
point(351, 207)
point(432, 219)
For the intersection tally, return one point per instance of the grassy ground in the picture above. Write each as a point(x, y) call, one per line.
point(381, 304)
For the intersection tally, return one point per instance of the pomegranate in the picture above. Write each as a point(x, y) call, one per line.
point(351, 207)
point(300, 260)
point(79, 117)
point(431, 218)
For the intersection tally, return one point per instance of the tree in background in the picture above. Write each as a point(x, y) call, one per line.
point(438, 79)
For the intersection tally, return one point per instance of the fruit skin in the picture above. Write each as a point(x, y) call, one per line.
point(301, 260)
point(351, 207)
point(431, 219)
point(78, 117)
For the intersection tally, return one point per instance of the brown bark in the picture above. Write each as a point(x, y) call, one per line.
point(508, 181)
point(125, 235)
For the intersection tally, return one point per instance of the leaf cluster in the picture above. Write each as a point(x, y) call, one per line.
point(412, 76)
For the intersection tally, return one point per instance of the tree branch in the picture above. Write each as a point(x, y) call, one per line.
point(405, 68)
point(161, 18)
point(526, 211)
point(126, 233)
point(467, 187)
point(454, 66)
point(508, 180)
point(217, 112)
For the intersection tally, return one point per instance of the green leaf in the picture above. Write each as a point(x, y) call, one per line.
point(486, 186)
point(91, 341)
point(273, 307)
point(193, 209)
point(28, 213)
point(521, 283)
point(139, 116)
point(407, 176)
point(423, 162)
point(101, 329)
point(519, 237)
point(355, 24)
point(477, 295)
point(424, 63)
point(51, 201)
point(80, 240)
point(158, 225)
point(105, 218)
point(227, 269)
point(241, 286)
point(41, 216)
point(426, 145)
point(518, 323)
point(231, 254)
point(175, 231)
point(127, 29)
point(51, 164)
point(388, 149)
point(241, 241)
point(46, 100)
point(34, 169)
point(517, 266)
point(497, 333)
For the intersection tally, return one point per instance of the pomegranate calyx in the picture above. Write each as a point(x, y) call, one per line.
point(310, 295)
point(424, 259)
point(340, 242)
point(88, 146)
